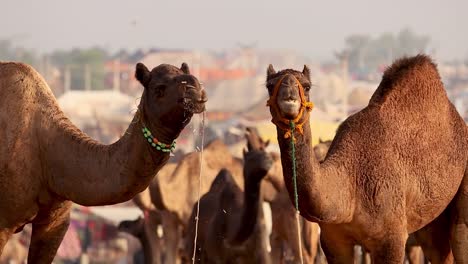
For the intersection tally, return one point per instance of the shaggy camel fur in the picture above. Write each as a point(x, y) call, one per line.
point(47, 163)
point(386, 173)
point(232, 230)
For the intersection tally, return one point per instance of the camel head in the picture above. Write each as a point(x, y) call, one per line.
point(257, 161)
point(289, 98)
point(133, 227)
point(171, 95)
point(288, 84)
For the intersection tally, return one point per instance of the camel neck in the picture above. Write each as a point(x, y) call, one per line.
point(89, 173)
point(322, 188)
point(250, 213)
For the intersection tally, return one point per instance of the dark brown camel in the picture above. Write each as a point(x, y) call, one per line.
point(47, 163)
point(140, 228)
point(386, 174)
point(230, 228)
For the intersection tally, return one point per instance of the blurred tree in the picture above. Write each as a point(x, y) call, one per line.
point(10, 52)
point(367, 54)
point(78, 59)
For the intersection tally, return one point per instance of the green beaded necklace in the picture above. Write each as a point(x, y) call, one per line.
point(156, 144)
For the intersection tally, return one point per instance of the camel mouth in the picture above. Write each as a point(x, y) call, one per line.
point(194, 105)
point(194, 100)
point(289, 107)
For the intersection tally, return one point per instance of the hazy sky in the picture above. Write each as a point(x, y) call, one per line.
point(314, 28)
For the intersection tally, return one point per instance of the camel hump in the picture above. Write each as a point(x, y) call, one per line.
point(9, 69)
point(21, 77)
point(410, 76)
point(222, 178)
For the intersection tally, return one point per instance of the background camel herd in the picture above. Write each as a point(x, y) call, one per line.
point(380, 189)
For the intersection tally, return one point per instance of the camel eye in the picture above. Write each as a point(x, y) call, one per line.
point(306, 87)
point(159, 90)
point(161, 87)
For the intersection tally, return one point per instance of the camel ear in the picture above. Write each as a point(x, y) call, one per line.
point(142, 74)
point(270, 70)
point(306, 72)
point(185, 68)
point(267, 143)
point(320, 140)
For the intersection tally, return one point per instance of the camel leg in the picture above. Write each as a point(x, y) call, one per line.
point(5, 234)
point(459, 225)
point(337, 249)
point(390, 250)
point(435, 239)
point(171, 237)
point(48, 230)
point(413, 253)
point(365, 256)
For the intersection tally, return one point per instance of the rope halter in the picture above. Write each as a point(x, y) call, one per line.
point(282, 122)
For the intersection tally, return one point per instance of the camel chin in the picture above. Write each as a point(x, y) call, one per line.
point(289, 108)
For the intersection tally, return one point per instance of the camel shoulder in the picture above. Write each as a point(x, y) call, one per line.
point(356, 130)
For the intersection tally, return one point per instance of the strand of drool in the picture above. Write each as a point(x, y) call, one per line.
point(296, 197)
point(202, 133)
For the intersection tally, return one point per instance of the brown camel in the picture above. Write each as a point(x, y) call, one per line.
point(51, 163)
point(385, 175)
point(283, 213)
point(174, 191)
point(166, 220)
point(168, 243)
point(413, 250)
point(230, 229)
point(182, 179)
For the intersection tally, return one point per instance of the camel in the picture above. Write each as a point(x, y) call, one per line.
point(385, 174)
point(283, 214)
point(154, 219)
point(413, 250)
point(51, 163)
point(139, 228)
point(182, 179)
point(230, 231)
point(174, 191)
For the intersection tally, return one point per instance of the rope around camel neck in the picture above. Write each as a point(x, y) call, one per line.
point(296, 196)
